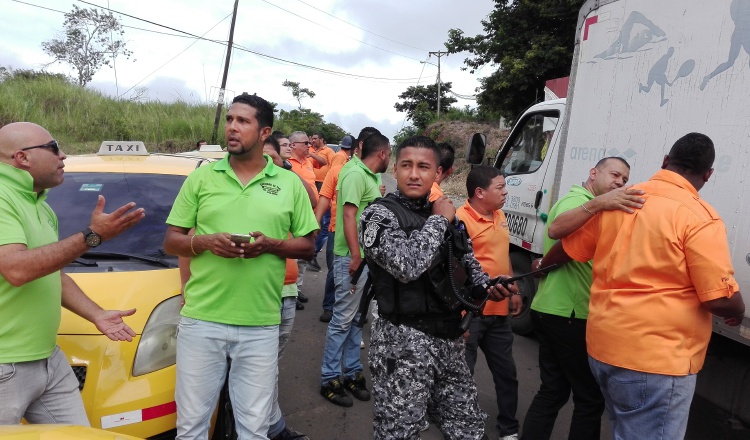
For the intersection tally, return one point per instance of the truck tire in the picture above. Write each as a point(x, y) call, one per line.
point(521, 324)
point(224, 428)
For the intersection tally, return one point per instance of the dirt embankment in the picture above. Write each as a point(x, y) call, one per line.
point(458, 134)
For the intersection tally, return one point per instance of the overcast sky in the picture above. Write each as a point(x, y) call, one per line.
point(336, 35)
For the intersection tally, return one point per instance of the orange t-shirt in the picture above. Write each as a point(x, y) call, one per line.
point(435, 192)
point(304, 169)
point(292, 271)
point(329, 190)
point(339, 159)
point(321, 171)
point(491, 242)
point(652, 270)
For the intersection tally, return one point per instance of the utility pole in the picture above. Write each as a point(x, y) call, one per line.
point(438, 54)
point(220, 100)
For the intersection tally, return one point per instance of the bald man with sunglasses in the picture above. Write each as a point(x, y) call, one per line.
point(36, 381)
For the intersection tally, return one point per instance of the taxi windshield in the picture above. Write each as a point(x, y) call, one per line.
point(75, 199)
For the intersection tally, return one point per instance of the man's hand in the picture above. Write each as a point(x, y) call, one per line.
point(499, 292)
point(218, 244)
point(110, 323)
point(115, 223)
point(382, 190)
point(515, 306)
point(444, 206)
point(354, 264)
point(260, 245)
point(624, 199)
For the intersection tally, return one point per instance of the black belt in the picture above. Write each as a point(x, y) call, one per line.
point(445, 327)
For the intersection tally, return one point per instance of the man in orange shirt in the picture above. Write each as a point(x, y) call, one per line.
point(323, 160)
point(447, 157)
point(649, 317)
point(327, 206)
point(488, 230)
point(302, 165)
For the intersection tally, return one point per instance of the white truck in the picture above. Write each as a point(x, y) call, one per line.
point(645, 73)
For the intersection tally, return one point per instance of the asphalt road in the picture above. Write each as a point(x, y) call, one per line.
point(307, 411)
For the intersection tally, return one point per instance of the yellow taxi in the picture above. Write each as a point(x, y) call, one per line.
point(58, 432)
point(127, 387)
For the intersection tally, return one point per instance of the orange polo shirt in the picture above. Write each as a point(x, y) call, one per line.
point(329, 190)
point(304, 169)
point(339, 159)
point(491, 242)
point(435, 192)
point(292, 271)
point(652, 270)
point(321, 171)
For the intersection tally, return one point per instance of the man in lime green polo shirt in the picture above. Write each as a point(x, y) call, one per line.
point(560, 308)
point(232, 300)
point(36, 381)
point(357, 187)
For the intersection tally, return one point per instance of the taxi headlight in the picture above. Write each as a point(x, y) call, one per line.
point(157, 348)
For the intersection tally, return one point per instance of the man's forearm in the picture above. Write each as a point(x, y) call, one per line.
point(19, 265)
point(570, 221)
point(76, 301)
point(323, 204)
point(350, 230)
point(295, 248)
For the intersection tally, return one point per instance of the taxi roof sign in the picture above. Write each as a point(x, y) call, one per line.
point(211, 148)
point(122, 148)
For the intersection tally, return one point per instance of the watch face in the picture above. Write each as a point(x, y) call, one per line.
point(93, 239)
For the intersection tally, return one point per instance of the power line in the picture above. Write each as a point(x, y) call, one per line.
point(333, 30)
point(407, 114)
point(360, 28)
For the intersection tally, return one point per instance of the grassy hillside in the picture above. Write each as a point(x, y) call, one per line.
point(81, 118)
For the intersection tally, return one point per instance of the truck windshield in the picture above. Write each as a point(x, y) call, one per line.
point(75, 199)
point(526, 150)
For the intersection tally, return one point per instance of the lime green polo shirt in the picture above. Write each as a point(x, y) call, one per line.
point(29, 314)
point(359, 186)
point(565, 291)
point(239, 291)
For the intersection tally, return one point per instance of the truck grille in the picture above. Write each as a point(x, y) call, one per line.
point(80, 372)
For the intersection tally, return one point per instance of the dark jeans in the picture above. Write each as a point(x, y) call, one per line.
point(323, 235)
point(563, 367)
point(493, 335)
point(329, 296)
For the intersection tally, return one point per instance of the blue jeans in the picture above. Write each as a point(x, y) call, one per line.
point(43, 391)
point(342, 338)
point(323, 236)
point(203, 351)
point(329, 296)
point(644, 405)
point(288, 311)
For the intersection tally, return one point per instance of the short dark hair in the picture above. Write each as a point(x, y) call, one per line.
point(447, 155)
point(274, 143)
point(365, 133)
point(693, 153)
point(604, 160)
point(480, 176)
point(373, 144)
point(263, 110)
point(419, 142)
point(319, 134)
point(277, 134)
point(201, 141)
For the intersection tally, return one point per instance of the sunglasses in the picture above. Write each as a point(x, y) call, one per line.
point(305, 142)
point(52, 145)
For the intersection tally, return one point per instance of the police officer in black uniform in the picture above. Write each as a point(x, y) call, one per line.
point(417, 255)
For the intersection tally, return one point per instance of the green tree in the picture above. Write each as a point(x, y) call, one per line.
point(420, 102)
point(308, 121)
point(531, 41)
point(92, 39)
point(298, 92)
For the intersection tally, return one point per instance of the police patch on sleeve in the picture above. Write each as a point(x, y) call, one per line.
point(371, 234)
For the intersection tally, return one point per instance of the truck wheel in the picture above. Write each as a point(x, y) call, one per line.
point(224, 428)
point(521, 324)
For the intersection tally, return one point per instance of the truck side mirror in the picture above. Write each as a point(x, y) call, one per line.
point(476, 149)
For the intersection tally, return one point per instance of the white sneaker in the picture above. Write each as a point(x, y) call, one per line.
point(509, 437)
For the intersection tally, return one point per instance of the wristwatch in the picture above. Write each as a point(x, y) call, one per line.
point(91, 238)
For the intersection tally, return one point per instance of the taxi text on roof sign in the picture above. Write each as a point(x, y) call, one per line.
point(122, 148)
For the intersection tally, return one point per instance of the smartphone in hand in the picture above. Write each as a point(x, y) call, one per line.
point(241, 238)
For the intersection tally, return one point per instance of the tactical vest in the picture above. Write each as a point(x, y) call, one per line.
point(418, 303)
